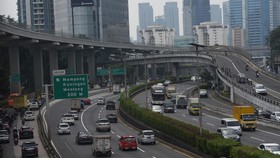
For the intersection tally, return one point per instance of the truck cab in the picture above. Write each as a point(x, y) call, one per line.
point(181, 101)
point(193, 106)
point(246, 116)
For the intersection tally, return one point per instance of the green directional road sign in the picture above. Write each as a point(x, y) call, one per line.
point(101, 72)
point(117, 71)
point(70, 86)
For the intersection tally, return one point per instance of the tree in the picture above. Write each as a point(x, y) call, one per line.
point(274, 41)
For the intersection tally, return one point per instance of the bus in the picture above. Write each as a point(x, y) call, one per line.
point(158, 94)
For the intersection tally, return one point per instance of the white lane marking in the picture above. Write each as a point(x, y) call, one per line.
point(153, 157)
point(68, 147)
point(118, 136)
point(194, 119)
point(268, 132)
point(112, 152)
point(211, 116)
point(112, 132)
point(258, 139)
point(231, 63)
point(140, 149)
point(219, 101)
point(187, 89)
point(183, 114)
point(82, 116)
point(210, 124)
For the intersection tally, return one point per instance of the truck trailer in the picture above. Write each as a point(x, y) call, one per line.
point(102, 145)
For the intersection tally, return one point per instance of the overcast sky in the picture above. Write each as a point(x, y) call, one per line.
point(9, 7)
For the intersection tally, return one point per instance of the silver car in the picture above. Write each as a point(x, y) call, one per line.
point(29, 115)
point(63, 128)
point(103, 124)
point(4, 136)
point(146, 137)
point(228, 133)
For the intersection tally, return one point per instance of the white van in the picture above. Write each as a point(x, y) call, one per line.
point(231, 123)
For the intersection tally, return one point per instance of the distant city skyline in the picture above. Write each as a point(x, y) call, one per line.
point(9, 7)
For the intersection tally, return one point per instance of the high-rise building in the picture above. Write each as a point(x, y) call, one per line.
point(216, 13)
point(226, 14)
point(237, 13)
point(146, 17)
point(171, 16)
point(37, 14)
point(194, 13)
point(159, 20)
point(274, 14)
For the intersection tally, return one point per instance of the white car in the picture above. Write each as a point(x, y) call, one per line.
point(68, 118)
point(271, 147)
point(34, 106)
point(157, 108)
point(260, 89)
point(203, 93)
point(75, 114)
point(275, 115)
point(101, 101)
point(29, 116)
point(63, 128)
point(232, 123)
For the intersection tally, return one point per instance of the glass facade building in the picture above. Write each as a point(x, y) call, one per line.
point(171, 16)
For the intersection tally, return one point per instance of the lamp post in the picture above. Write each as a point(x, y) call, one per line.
point(146, 95)
point(198, 85)
point(48, 109)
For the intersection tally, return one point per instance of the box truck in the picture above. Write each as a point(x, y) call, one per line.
point(246, 116)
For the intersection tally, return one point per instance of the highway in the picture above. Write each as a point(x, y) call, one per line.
point(211, 119)
point(66, 146)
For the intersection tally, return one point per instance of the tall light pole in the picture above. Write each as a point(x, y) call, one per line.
point(146, 95)
point(125, 84)
point(198, 85)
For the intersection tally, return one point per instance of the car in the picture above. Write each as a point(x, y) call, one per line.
point(68, 118)
point(260, 89)
point(110, 105)
point(275, 115)
point(146, 137)
point(101, 101)
point(103, 124)
point(173, 97)
point(260, 112)
point(271, 147)
point(127, 143)
point(75, 114)
point(25, 132)
point(4, 136)
point(157, 109)
point(29, 148)
point(86, 101)
point(232, 123)
point(28, 116)
point(228, 133)
point(166, 82)
point(7, 127)
point(203, 93)
point(63, 128)
point(84, 138)
point(112, 117)
point(168, 107)
point(241, 78)
point(34, 105)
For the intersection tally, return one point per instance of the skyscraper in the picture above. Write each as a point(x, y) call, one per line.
point(171, 16)
point(237, 13)
point(226, 15)
point(146, 15)
point(274, 14)
point(36, 14)
point(194, 13)
point(216, 13)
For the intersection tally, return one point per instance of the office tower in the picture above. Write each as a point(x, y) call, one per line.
point(195, 12)
point(159, 20)
point(171, 16)
point(146, 15)
point(36, 14)
point(216, 13)
point(237, 13)
point(274, 14)
point(226, 15)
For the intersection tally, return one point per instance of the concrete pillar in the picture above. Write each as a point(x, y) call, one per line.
point(153, 71)
point(79, 62)
point(136, 73)
point(232, 96)
point(175, 67)
point(53, 57)
point(14, 70)
point(38, 69)
point(91, 67)
point(71, 61)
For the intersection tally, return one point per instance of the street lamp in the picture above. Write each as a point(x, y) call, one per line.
point(146, 86)
point(198, 86)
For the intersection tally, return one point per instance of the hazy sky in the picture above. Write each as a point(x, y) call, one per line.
point(9, 7)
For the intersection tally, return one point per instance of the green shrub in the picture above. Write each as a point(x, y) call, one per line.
point(250, 152)
point(220, 147)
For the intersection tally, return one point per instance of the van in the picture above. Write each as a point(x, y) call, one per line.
point(231, 123)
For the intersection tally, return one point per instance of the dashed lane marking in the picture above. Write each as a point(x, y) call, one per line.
point(258, 139)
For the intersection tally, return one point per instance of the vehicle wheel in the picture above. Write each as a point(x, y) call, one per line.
point(109, 153)
point(254, 129)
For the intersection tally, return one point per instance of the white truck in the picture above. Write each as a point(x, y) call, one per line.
point(76, 104)
point(171, 88)
point(102, 145)
point(116, 88)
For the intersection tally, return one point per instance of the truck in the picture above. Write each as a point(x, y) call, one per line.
point(18, 101)
point(76, 104)
point(171, 88)
point(193, 106)
point(181, 101)
point(116, 88)
point(102, 145)
point(246, 116)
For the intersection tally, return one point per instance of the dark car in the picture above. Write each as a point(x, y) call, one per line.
point(84, 137)
point(168, 107)
point(29, 148)
point(86, 101)
point(110, 105)
point(112, 117)
point(25, 132)
point(173, 97)
point(6, 126)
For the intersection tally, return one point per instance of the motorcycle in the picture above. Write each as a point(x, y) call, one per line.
point(16, 141)
point(247, 68)
point(257, 75)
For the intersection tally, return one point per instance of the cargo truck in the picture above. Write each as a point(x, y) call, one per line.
point(76, 104)
point(171, 88)
point(181, 101)
point(246, 117)
point(116, 88)
point(18, 101)
point(102, 145)
point(193, 106)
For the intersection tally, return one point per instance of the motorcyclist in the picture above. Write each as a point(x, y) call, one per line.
point(15, 132)
point(257, 73)
point(246, 67)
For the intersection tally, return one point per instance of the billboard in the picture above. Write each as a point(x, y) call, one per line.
point(75, 3)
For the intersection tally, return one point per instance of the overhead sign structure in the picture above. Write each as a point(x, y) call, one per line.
point(117, 71)
point(70, 86)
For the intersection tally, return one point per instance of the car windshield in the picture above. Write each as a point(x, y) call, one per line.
point(249, 117)
point(103, 121)
point(29, 144)
point(28, 112)
point(100, 99)
point(130, 139)
point(182, 101)
point(195, 105)
point(64, 125)
point(260, 87)
point(82, 134)
point(3, 132)
point(228, 132)
point(277, 114)
point(156, 107)
point(148, 133)
point(273, 148)
point(233, 123)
